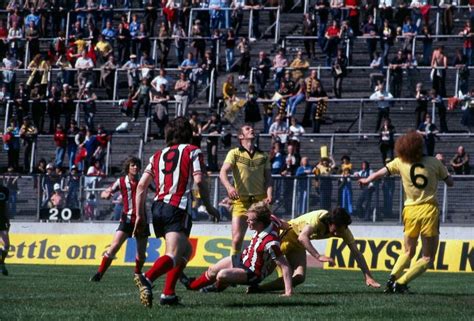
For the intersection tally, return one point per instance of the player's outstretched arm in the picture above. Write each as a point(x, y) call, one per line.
point(369, 280)
point(231, 192)
point(375, 176)
point(140, 201)
point(286, 270)
point(201, 183)
point(305, 240)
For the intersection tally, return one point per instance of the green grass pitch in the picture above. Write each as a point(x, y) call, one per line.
point(64, 293)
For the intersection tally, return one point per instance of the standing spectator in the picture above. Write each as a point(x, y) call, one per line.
point(345, 185)
point(447, 10)
point(60, 139)
point(160, 99)
point(396, 74)
point(322, 9)
point(460, 162)
point(441, 108)
point(54, 108)
point(252, 110)
point(310, 83)
point(38, 108)
point(364, 202)
point(439, 64)
point(143, 41)
point(370, 33)
point(339, 71)
point(182, 87)
point(48, 181)
point(15, 40)
point(255, 6)
point(302, 171)
point(408, 32)
point(429, 131)
point(10, 64)
point(468, 110)
point(103, 48)
point(21, 102)
point(123, 43)
point(131, 66)
point(279, 131)
point(309, 30)
point(383, 99)
point(411, 70)
point(387, 37)
point(319, 106)
point(88, 98)
point(67, 101)
point(378, 73)
point(421, 109)
point(244, 49)
point(213, 128)
point(427, 45)
point(386, 139)
point(11, 139)
point(73, 185)
point(84, 66)
point(461, 64)
point(150, 16)
point(32, 36)
point(332, 41)
point(72, 142)
point(299, 65)
point(164, 45)
point(10, 181)
point(107, 76)
point(143, 94)
point(262, 72)
point(468, 43)
point(323, 171)
point(179, 36)
point(279, 64)
point(230, 43)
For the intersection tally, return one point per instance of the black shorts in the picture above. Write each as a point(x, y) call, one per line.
point(167, 218)
point(252, 278)
point(4, 224)
point(127, 228)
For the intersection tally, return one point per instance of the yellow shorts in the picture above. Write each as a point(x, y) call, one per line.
point(421, 219)
point(241, 205)
point(289, 244)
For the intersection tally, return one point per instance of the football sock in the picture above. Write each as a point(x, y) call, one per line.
point(415, 271)
point(138, 265)
point(172, 277)
point(3, 255)
point(402, 263)
point(160, 267)
point(104, 265)
point(235, 252)
point(201, 282)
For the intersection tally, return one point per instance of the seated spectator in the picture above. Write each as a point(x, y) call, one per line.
point(300, 66)
point(57, 200)
point(460, 162)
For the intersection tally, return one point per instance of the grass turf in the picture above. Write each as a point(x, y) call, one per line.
point(64, 293)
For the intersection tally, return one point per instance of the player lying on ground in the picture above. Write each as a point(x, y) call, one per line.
point(254, 263)
point(173, 169)
point(4, 227)
point(127, 185)
point(296, 240)
point(420, 175)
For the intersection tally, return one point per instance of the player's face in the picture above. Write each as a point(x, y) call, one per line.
point(134, 169)
point(334, 230)
point(247, 133)
point(252, 220)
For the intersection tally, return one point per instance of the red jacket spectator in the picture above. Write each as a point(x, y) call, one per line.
point(60, 137)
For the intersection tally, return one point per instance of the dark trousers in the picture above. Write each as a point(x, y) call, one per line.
point(383, 113)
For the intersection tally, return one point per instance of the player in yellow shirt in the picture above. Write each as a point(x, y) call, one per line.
point(420, 175)
point(296, 240)
point(252, 182)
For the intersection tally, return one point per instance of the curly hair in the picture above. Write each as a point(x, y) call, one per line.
point(340, 217)
point(131, 161)
point(409, 147)
point(178, 131)
point(262, 211)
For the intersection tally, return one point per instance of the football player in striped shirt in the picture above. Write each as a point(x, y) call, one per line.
point(127, 185)
point(257, 261)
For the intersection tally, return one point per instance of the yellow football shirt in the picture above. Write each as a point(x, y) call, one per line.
point(248, 171)
point(315, 219)
point(420, 180)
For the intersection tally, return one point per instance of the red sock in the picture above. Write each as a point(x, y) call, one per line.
point(138, 265)
point(201, 282)
point(160, 267)
point(171, 279)
point(104, 265)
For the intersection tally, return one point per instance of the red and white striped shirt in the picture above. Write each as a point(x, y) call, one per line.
point(263, 249)
point(171, 169)
point(128, 189)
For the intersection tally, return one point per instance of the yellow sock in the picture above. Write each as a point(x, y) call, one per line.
point(235, 252)
point(402, 263)
point(415, 271)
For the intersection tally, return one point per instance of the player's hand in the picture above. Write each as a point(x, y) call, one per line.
point(327, 259)
point(363, 181)
point(216, 217)
point(288, 293)
point(139, 227)
point(268, 200)
point(372, 283)
point(232, 193)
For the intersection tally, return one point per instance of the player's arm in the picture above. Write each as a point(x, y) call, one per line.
point(107, 193)
point(375, 176)
point(269, 186)
point(286, 271)
point(449, 181)
point(201, 183)
point(140, 200)
point(231, 192)
point(369, 280)
point(305, 240)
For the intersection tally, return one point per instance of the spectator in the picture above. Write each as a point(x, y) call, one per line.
point(255, 6)
point(299, 95)
point(107, 76)
point(468, 110)
point(21, 102)
point(427, 45)
point(15, 40)
point(188, 65)
point(345, 185)
point(429, 131)
point(60, 139)
point(10, 64)
point(323, 171)
point(364, 202)
point(461, 64)
point(48, 181)
point(230, 43)
point(441, 108)
point(339, 71)
point(84, 66)
point(439, 64)
point(383, 99)
point(396, 74)
point(164, 45)
point(11, 140)
point(322, 9)
point(225, 208)
point(197, 128)
point(447, 8)
point(279, 131)
point(279, 64)
point(143, 94)
point(151, 15)
point(302, 171)
point(376, 76)
point(309, 30)
point(73, 185)
point(421, 109)
point(65, 74)
point(346, 36)
point(67, 101)
point(408, 32)
point(103, 49)
point(299, 65)
point(296, 131)
point(370, 33)
point(277, 159)
point(460, 162)
point(54, 108)
point(160, 98)
point(213, 128)
point(319, 107)
point(386, 139)
point(38, 108)
point(411, 70)
point(72, 142)
point(106, 9)
point(57, 199)
point(123, 43)
point(252, 110)
point(88, 98)
point(32, 36)
point(179, 36)
point(332, 41)
point(387, 37)
point(262, 72)
point(132, 72)
point(182, 88)
point(10, 181)
point(143, 41)
point(468, 43)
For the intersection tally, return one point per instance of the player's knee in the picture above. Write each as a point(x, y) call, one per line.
point(222, 276)
point(298, 279)
point(212, 272)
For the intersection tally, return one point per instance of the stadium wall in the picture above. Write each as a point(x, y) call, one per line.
point(85, 243)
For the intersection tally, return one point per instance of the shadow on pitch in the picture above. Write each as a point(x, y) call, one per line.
point(278, 304)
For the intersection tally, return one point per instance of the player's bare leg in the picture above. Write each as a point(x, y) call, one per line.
point(239, 227)
point(140, 257)
point(428, 249)
point(109, 256)
point(4, 251)
point(297, 261)
point(210, 275)
point(402, 262)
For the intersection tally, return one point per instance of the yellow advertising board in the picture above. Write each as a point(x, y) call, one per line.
point(381, 254)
